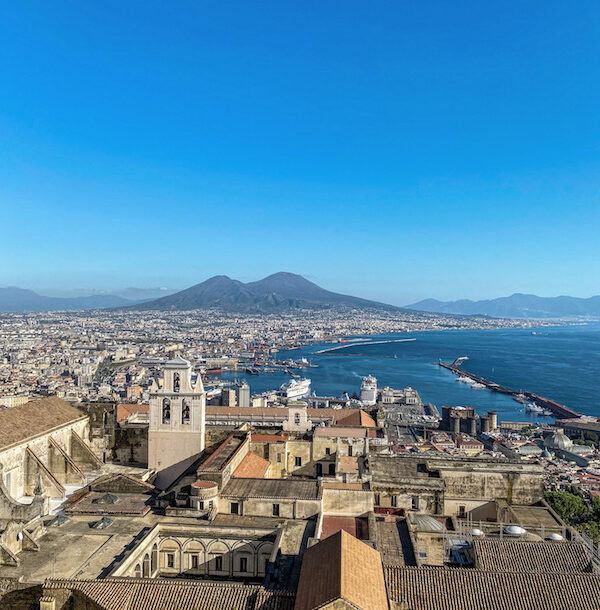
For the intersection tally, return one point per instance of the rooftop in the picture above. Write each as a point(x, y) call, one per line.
point(36, 417)
point(271, 488)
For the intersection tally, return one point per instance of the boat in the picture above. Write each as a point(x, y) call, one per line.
point(548, 413)
point(520, 398)
point(531, 407)
point(295, 388)
point(252, 371)
point(214, 371)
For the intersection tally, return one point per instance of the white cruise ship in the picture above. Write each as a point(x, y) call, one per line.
point(368, 390)
point(296, 388)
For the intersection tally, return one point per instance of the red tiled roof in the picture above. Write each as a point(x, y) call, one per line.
point(357, 418)
point(251, 467)
point(124, 411)
point(341, 567)
point(334, 523)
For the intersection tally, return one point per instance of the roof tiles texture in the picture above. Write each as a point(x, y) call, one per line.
point(139, 594)
point(36, 417)
point(341, 567)
point(525, 556)
point(252, 466)
point(465, 589)
point(271, 488)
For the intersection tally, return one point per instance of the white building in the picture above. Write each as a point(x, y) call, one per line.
point(368, 390)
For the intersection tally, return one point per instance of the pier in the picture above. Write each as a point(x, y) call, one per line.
point(559, 410)
point(347, 345)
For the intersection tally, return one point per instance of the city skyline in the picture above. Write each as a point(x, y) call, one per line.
point(448, 153)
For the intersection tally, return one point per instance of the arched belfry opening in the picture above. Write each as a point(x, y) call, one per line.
point(166, 411)
point(176, 382)
point(185, 411)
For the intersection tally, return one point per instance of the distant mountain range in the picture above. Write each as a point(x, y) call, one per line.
point(14, 299)
point(278, 292)
point(517, 306)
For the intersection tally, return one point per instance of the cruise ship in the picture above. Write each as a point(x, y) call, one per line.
point(296, 388)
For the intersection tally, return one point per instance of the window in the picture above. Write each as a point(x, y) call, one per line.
point(319, 468)
point(331, 469)
point(377, 499)
point(235, 508)
point(421, 467)
point(415, 502)
point(194, 562)
point(175, 382)
point(279, 458)
point(298, 461)
point(243, 564)
point(275, 510)
point(394, 501)
point(327, 451)
point(166, 411)
point(170, 560)
point(296, 419)
point(350, 450)
point(201, 505)
point(185, 411)
point(462, 511)
point(219, 563)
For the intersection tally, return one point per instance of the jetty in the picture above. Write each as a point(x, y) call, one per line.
point(347, 345)
point(559, 410)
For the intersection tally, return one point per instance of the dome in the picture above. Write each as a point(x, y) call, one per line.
point(514, 530)
point(476, 532)
point(559, 440)
point(554, 537)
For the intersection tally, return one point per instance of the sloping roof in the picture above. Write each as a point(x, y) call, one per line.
point(252, 467)
point(341, 567)
point(271, 488)
point(526, 556)
point(155, 594)
point(357, 418)
point(465, 589)
point(341, 432)
point(125, 410)
point(278, 412)
point(35, 417)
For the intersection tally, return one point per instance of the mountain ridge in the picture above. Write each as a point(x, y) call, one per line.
point(277, 292)
point(517, 305)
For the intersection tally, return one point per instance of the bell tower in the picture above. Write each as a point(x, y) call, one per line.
point(177, 418)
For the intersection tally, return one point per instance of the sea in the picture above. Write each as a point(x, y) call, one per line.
point(558, 362)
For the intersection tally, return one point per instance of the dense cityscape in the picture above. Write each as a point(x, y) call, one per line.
point(135, 434)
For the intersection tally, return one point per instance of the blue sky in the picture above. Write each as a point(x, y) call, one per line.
point(393, 150)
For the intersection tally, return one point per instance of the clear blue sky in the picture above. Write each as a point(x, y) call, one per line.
point(393, 150)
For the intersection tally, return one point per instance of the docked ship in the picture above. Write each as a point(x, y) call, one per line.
point(296, 388)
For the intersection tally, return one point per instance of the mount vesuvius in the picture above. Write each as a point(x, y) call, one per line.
point(278, 292)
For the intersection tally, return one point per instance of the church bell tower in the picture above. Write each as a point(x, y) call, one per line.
point(177, 418)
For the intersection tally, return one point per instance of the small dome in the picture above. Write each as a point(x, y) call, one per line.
point(514, 530)
point(476, 532)
point(559, 440)
point(554, 537)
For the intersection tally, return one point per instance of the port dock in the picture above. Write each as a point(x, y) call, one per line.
point(559, 410)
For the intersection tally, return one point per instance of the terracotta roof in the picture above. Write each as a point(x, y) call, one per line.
point(341, 567)
point(36, 417)
point(280, 412)
point(341, 432)
point(338, 485)
point(526, 556)
point(124, 411)
point(155, 594)
point(348, 465)
point(357, 418)
point(252, 467)
point(465, 589)
point(268, 438)
point(203, 484)
point(334, 523)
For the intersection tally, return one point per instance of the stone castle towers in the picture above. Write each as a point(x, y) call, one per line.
point(177, 419)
